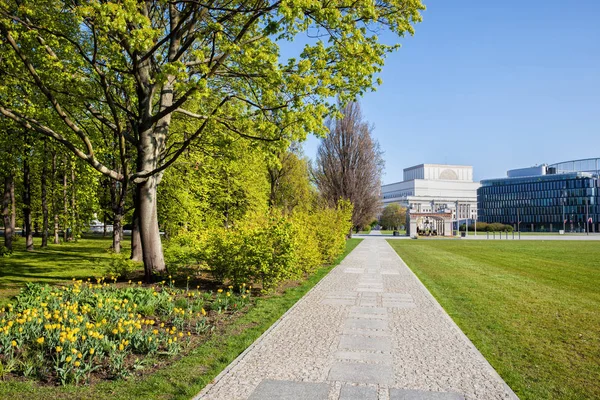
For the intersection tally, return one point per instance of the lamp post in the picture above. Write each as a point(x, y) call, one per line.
point(564, 195)
point(587, 217)
point(457, 220)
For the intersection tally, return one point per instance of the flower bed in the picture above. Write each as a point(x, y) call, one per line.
point(69, 334)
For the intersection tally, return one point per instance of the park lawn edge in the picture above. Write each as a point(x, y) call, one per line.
point(187, 376)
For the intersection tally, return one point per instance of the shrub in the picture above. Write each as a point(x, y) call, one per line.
point(119, 265)
point(275, 248)
point(5, 252)
point(258, 252)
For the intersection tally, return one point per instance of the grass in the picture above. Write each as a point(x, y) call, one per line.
point(57, 262)
point(186, 376)
point(531, 308)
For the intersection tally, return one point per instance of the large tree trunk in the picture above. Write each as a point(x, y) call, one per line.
point(136, 241)
point(27, 205)
point(104, 225)
point(65, 203)
point(13, 206)
point(117, 202)
point(44, 200)
point(74, 214)
point(117, 232)
point(54, 206)
point(6, 205)
point(152, 252)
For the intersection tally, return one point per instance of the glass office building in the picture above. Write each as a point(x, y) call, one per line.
point(547, 202)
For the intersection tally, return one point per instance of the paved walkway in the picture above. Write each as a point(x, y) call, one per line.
point(368, 330)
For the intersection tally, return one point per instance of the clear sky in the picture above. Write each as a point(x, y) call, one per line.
point(492, 84)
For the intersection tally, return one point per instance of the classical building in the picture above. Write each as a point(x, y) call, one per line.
point(433, 188)
point(562, 196)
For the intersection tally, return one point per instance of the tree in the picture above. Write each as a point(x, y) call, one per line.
point(289, 179)
point(349, 165)
point(393, 216)
point(135, 68)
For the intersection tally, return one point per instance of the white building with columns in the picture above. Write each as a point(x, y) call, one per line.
point(435, 187)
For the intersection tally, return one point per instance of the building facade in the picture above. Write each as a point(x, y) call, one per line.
point(544, 198)
point(430, 188)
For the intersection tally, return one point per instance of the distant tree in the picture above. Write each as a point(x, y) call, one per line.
point(393, 216)
point(349, 165)
point(289, 179)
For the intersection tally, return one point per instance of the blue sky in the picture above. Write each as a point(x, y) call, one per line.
point(493, 84)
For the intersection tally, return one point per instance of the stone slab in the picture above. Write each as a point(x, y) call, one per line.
point(364, 356)
point(351, 270)
point(366, 332)
point(369, 316)
point(288, 390)
point(409, 394)
point(369, 289)
point(382, 344)
point(378, 374)
point(398, 304)
point(369, 310)
point(349, 392)
point(362, 323)
point(339, 302)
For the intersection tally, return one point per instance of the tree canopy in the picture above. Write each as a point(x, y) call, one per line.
point(129, 86)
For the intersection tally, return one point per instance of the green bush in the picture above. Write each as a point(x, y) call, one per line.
point(272, 249)
point(485, 227)
point(258, 252)
point(5, 252)
point(120, 266)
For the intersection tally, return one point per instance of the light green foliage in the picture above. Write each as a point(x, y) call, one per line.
point(215, 189)
point(332, 227)
point(393, 216)
point(270, 250)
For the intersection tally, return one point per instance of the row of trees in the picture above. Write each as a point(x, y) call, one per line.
point(147, 91)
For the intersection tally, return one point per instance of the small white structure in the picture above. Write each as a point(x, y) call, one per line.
point(432, 188)
point(98, 227)
point(429, 223)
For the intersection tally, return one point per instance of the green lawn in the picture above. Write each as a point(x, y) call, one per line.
point(187, 375)
point(81, 259)
point(532, 308)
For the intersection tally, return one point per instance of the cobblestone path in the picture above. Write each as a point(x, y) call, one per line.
point(368, 330)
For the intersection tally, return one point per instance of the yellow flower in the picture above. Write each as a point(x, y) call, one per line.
point(77, 363)
point(228, 294)
point(220, 291)
point(74, 351)
point(121, 347)
point(79, 355)
point(140, 282)
point(68, 359)
point(13, 343)
point(58, 349)
point(170, 341)
point(92, 350)
point(40, 340)
point(230, 287)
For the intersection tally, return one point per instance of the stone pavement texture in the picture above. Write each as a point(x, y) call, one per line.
point(368, 330)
